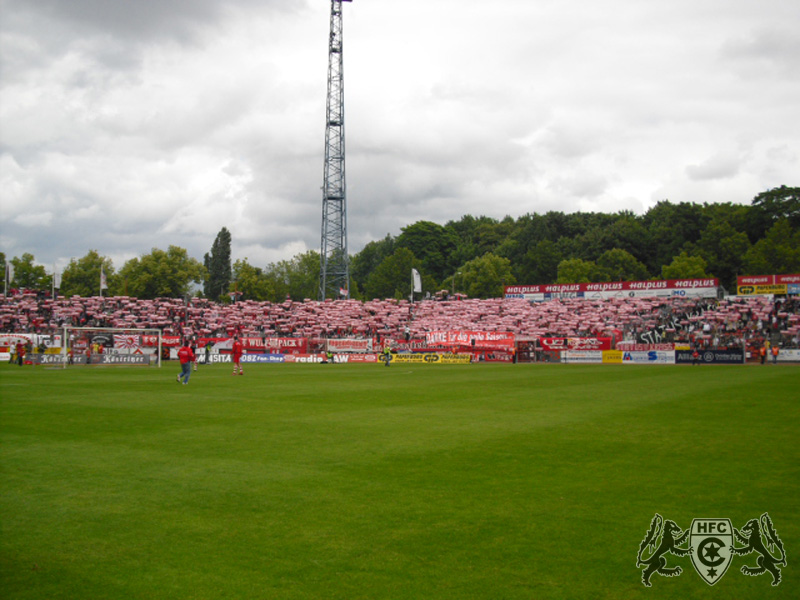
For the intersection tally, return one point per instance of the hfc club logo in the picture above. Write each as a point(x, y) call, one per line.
point(711, 546)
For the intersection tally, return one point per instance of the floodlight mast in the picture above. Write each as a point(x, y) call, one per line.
point(334, 276)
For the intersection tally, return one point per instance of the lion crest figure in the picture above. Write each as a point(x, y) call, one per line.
point(664, 537)
point(758, 535)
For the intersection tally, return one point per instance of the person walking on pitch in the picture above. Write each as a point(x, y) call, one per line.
point(186, 356)
point(237, 350)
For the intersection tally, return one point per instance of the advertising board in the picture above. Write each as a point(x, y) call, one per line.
point(262, 358)
point(349, 345)
point(124, 359)
point(750, 285)
point(650, 357)
point(690, 288)
point(431, 359)
point(711, 357)
point(789, 355)
point(575, 343)
point(756, 290)
point(583, 356)
point(633, 346)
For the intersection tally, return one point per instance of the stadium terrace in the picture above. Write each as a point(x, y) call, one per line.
point(709, 322)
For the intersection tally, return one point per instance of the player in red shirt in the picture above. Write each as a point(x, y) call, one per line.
point(20, 353)
point(237, 349)
point(186, 356)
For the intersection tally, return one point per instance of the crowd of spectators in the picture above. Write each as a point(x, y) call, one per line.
point(708, 322)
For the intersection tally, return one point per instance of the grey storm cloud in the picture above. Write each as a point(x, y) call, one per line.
point(139, 21)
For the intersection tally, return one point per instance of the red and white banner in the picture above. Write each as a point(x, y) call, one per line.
point(767, 279)
point(476, 339)
point(9, 340)
point(700, 288)
point(633, 346)
point(166, 340)
point(278, 345)
point(347, 345)
point(357, 358)
point(552, 343)
point(505, 357)
point(126, 342)
point(270, 344)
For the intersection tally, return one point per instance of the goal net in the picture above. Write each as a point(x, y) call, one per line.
point(108, 346)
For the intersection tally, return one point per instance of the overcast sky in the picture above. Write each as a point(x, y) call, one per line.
point(127, 125)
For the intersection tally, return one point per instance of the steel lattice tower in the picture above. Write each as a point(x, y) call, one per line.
point(334, 273)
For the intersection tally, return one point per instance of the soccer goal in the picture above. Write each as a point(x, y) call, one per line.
point(108, 346)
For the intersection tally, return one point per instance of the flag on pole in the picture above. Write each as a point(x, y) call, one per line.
point(343, 292)
point(103, 282)
point(417, 281)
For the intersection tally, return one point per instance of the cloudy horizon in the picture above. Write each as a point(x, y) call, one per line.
point(127, 126)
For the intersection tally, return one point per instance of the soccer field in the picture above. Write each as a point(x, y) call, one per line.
point(361, 481)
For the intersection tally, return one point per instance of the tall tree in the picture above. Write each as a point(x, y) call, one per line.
point(477, 236)
point(82, 277)
point(684, 266)
point(620, 265)
point(525, 233)
point(218, 265)
point(432, 245)
point(577, 270)
point(671, 227)
point(540, 264)
point(629, 234)
point(485, 276)
point(297, 278)
point(29, 275)
point(724, 249)
point(392, 278)
point(366, 261)
point(162, 274)
point(772, 205)
point(778, 252)
point(251, 282)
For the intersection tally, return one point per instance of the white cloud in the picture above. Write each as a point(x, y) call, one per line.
point(720, 166)
point(143, 124)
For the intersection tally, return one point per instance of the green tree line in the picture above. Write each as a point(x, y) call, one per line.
point(478, 256)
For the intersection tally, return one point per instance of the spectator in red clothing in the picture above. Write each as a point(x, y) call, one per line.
point(186, 356)
point(237, 349)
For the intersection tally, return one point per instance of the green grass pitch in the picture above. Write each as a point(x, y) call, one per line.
point(361, 481)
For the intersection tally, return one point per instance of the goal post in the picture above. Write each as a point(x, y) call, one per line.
point(108, 346)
